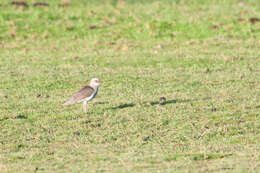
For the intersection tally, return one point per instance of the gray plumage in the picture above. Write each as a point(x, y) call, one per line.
point(85, 94)
point(81, 95)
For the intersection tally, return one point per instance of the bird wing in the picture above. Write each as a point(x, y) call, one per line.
point(79, 96)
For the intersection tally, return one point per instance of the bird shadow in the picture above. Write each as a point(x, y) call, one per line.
point(165, 102)
point(151, 103)
point(122, 106)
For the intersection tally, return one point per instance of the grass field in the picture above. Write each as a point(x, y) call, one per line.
point(203, 56)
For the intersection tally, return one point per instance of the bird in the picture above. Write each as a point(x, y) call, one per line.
point(85, 94)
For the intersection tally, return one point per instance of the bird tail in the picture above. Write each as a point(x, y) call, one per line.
point(69, 102)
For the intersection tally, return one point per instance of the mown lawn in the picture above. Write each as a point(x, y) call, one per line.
point(201, 55)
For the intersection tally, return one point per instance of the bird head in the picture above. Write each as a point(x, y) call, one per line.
point(95, 82)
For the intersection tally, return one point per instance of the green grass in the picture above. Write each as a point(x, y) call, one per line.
point(203, 56)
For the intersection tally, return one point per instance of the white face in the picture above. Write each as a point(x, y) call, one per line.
point(95, 82)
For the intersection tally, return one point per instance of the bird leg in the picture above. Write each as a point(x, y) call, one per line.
point(85, 106)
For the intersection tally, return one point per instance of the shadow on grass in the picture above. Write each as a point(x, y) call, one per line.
point(163, 103)
point(196, 157)
point(21, 116)
point(126, 105)
point(168, 102)
point(151, 103)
